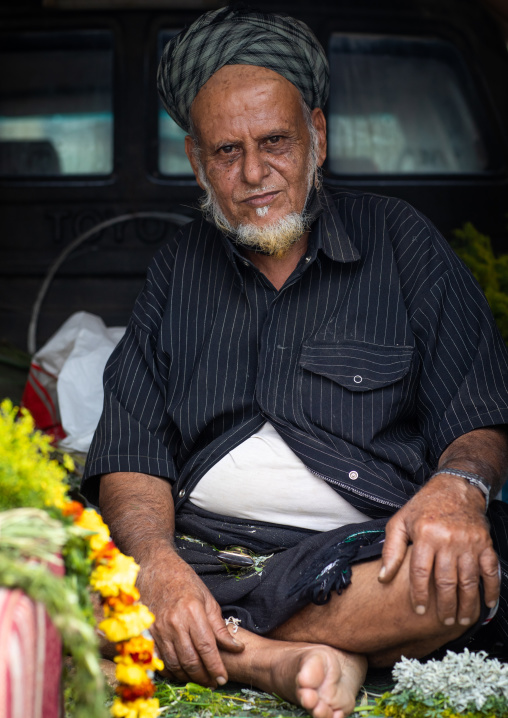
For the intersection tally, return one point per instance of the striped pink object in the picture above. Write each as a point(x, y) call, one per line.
point(30, 659)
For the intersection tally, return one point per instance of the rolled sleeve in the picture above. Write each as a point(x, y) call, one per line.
point(464, 377)
point(135, 433)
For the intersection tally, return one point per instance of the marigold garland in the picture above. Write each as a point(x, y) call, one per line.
point(30, 477)
point(114, 577)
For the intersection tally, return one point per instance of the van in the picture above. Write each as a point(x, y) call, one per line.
point(94, 178)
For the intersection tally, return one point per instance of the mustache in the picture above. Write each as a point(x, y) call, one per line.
point(248, 194)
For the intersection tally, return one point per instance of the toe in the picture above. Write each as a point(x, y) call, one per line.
point(322, 710)
point(312, 671)
point(308, 698)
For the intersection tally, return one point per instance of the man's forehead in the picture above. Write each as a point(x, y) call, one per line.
point(238, 79)
point(237, 93)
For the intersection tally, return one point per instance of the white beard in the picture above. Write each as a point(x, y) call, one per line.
point(274, 239)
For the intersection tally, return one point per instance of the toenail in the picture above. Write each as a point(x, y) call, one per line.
point(420, 610)
point(465, 621)
point(221, 680)
point(449, 621)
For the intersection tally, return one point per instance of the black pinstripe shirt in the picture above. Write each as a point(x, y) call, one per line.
point(378, 351)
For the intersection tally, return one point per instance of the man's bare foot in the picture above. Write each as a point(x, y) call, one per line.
point(328, 681)
point(323, 680)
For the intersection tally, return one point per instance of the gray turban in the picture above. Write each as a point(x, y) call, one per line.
point(238, 37)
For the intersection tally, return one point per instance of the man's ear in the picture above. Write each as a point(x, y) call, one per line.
point(190, 152)
point(319, 122)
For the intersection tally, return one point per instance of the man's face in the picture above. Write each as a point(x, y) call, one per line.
point(254, 144)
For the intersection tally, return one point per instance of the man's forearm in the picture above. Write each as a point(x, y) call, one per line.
point(483, 452)
point(139, 511)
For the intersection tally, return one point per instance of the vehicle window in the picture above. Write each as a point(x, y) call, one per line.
point(172, 158)
point(56, 108)
point(401, 105)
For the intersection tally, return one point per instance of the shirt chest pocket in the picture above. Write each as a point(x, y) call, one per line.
point(356, 390)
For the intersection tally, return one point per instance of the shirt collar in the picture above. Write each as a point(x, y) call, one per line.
point(233, 255)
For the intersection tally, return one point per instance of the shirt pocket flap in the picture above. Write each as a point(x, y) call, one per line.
point(357, 366)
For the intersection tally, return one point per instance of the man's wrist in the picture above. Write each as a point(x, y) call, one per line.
point(475, 480)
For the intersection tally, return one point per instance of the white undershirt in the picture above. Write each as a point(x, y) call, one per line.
point(263, 480)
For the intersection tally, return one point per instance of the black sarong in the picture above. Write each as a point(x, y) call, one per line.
point(293, 567)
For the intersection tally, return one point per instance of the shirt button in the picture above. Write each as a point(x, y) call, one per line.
point(245, 262)
point(353, 475)
point(307, 259)
point(181, 493)
point(357, 379)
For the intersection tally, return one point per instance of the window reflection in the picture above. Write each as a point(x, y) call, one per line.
point(400, 105)
point(56, 113)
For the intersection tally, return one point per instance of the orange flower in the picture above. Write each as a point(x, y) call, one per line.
point(139, 644)
point(138, 650)
point(106, 553)
point(120, 603)
point(136, 690)
point(74, 509)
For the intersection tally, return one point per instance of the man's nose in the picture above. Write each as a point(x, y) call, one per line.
point(254, 167)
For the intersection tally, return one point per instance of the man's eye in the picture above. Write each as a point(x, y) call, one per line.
point(227, 149)
point(273, 140)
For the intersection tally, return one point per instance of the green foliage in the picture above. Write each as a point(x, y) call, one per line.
point(491, 272)
point(194, 701)
point(409, 704)
point(78, 566)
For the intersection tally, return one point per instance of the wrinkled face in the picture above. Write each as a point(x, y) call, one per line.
point(254, 144)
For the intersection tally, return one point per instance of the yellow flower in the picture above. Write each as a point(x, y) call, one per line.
point(28, 475)
point(128, 624)
point(119, 574)
point(131, 675)
point(91, 521)
point(68, 462)
point(154, 664)
point(141, 708)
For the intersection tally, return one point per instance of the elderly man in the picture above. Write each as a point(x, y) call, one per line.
point(303, 424)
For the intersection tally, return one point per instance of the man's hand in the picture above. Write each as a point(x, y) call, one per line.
point(452, 547)
point(189, 628)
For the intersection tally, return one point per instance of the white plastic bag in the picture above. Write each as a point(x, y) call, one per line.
point(75, 358)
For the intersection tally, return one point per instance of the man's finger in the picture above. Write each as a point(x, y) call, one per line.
point(394, 549)
point(206, 647)
point(172, 668)
point(190, 661)
point(420, 570)
point(468, 594)
point(446, 578)
point(490, 573)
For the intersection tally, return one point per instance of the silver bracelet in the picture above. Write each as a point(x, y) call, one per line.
point(473, 479)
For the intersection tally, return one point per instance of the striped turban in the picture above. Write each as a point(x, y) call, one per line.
point(230, 36)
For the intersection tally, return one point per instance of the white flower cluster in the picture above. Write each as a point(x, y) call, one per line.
point(463, 677)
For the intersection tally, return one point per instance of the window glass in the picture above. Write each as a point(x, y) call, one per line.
point(172, 157)
point(400, 105)
point(56, 114)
